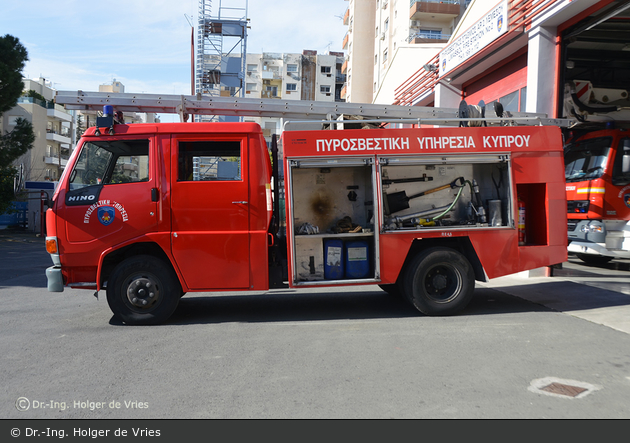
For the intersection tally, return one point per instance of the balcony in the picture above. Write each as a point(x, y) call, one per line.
point(423, 9)
point(56, 161)
point(58, 112)
point(269, 94)
point(346, 16)
point(421, 36)
point(345, 41)
point(60, 138)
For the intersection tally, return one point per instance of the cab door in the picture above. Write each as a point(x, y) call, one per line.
point(112, 192)
point(210, 211)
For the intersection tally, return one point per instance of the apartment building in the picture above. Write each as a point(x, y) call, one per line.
point(52, 126)
point(308, 76)
point(88, 118)
point(387, 39)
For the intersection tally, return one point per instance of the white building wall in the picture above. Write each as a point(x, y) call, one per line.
point(403, 64)
point(541, 69)
point(360, 72)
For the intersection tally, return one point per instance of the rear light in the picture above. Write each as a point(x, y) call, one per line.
point(51, 245)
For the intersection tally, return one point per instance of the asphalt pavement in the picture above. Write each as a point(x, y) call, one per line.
point(597, 293)
point(521, 347)
point(600, 294)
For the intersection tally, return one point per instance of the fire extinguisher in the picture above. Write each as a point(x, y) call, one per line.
point(521, 222)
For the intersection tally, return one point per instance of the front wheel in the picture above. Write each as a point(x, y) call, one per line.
point(143, 290)
point(439, 281)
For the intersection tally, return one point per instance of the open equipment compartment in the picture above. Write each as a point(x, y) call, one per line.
point(333, 212)
point(452, 191)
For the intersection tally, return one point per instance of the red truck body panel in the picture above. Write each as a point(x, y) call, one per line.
point(537, 178)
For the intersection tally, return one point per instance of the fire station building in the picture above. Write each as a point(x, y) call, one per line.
point(530, 55)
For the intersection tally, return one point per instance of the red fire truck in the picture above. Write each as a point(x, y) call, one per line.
point(597, 158)
point(149, 212)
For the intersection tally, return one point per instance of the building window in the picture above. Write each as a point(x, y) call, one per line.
point(324, 89)
point(325, 69)
point(291, 87)
point(435, 34)
point(292, 68)
point(510, 101)
point(250, 87)
point(252, 68)
point(384, 55)
point(386, 27)
point(523, 105)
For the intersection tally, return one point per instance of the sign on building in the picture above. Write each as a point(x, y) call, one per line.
point(478, 36)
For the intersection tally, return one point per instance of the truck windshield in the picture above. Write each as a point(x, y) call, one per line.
point(586, 159)
point(111, 162)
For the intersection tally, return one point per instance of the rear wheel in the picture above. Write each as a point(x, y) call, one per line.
point(439, 281)
point(143, 290)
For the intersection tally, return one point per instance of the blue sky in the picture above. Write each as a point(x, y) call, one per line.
point(145, 44)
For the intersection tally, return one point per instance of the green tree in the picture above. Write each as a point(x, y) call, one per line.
point(13, 56)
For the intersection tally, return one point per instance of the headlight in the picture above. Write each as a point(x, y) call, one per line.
point(593, 229)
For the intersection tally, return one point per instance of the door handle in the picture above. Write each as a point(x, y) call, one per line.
point(239, 203)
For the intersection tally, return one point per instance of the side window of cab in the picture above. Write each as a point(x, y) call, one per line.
point(107, 162)
point(111, 162)
point(209, 161)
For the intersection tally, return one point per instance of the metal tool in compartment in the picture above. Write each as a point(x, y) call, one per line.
point(399, 201)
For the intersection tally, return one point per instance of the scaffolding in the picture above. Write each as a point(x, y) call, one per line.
point(221, 48)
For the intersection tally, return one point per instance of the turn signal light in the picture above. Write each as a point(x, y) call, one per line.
point(51, 245)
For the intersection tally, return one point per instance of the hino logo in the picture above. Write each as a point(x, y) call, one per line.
point(84, 196)
point(81, 198)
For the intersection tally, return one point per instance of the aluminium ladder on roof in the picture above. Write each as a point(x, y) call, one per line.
point(287, 109)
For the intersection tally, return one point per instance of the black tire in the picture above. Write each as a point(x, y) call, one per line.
point(594, 259)
point(439, 281)
point(143, 290)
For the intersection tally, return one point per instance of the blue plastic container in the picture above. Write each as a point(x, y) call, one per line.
point(356, 256)
point(333, 259)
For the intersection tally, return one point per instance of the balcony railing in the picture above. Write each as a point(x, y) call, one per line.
point(432, 37)
point(451, 2)
point(32, 101)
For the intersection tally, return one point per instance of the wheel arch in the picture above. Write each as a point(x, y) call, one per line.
point(112, 258)
point(462, 245)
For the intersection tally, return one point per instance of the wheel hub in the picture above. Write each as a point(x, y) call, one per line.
point(142, 293)
point(439, 282)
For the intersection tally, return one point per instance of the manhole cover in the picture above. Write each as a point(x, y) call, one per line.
point(562, 388)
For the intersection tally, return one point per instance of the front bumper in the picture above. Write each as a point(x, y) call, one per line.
point(55, 279)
